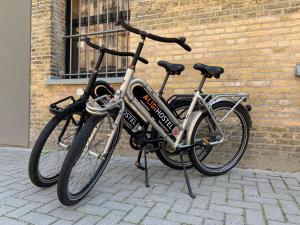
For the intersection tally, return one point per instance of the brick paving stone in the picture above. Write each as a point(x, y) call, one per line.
point(273, 222)
point(14, 202)
point(273, 212)
point(17, 213)
point(47, 208)
point(94, 210)
point(244, 204)
point(160, 210)
point(137, 214)
point(241, 196)
point(63, 222)
point(227, 209)
point(9, 221)
point(254, 217)
point(210, 214)
point(117, 205)
point(181, 206)
point(88, 219)
point(38, 218)
point(212, 222)
point(67, 214)
point(183, 218)
point(114, 217)
point(235, 194)
point(289, 207)
point(218, 198)
point(234, 219)
point(155, 221)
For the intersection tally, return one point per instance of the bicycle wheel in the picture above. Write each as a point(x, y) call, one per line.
point(50, 149)
point(84, 163)
point(167, 155)
point(222, 157)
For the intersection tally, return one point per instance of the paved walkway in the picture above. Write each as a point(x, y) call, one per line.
point(239, 197)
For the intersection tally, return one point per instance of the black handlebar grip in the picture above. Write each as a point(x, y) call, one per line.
point(143, 60)
point(186, 47)
point(110, 51)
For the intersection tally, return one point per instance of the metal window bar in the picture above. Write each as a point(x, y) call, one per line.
point(85, 18)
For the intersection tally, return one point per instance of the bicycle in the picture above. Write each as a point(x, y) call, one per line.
point(54, 140)
point(92, 148)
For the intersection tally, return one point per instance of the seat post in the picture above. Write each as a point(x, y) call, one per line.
point(202, 83)
point(161, 91)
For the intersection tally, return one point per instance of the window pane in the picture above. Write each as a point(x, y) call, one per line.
point(96, 18)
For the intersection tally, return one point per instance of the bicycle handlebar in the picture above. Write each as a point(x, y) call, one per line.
point(180, 41)
point(110, 51)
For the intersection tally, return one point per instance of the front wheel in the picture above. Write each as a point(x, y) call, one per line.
point(85, 161)
point(222, 157)
point(50, 149)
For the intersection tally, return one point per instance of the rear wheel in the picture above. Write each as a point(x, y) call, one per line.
point(85, 162)
point(167, 155)
point(222, 157)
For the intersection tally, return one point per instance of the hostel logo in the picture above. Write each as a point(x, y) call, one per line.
point(161, 115)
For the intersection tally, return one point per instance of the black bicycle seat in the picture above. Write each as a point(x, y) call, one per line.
point(172, 68)
point(209, 71)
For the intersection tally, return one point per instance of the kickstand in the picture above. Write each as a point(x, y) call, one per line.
point(146, 169)
point(138, 163)
point(187, 179)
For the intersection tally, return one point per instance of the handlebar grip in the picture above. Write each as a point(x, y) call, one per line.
point(143, 60)
point(110, 51)
point(180, 41)
point(186, 47)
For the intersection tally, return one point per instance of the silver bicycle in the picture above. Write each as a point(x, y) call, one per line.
point(214, 137)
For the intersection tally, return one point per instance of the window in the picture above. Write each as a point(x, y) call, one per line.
point(96, 19)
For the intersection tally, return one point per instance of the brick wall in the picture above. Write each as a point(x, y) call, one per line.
point(257, 42)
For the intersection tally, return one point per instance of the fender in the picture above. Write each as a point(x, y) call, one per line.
point(192, 124)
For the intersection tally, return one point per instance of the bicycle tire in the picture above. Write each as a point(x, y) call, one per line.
point(163, 155)
point(74, 154)
point(244, 117)
point(35, 175)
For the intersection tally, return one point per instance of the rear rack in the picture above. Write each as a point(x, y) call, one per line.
point(76, 105)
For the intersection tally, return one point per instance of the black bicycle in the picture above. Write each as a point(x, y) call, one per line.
point(55, 139)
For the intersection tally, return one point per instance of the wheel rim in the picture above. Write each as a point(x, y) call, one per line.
point(88, 168)
point(225, 155)
point(56, 148)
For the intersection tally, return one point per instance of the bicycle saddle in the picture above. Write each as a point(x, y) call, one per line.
point(209, 71)
point(171, 68)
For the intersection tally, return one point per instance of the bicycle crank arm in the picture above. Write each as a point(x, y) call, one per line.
point(62, 144)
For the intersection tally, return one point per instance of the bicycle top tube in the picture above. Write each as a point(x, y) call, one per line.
point(110, 51)
point(180, 41)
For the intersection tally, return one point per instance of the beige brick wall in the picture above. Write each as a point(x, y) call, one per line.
point(257, 42)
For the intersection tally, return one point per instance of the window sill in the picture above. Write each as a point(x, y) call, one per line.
point(54, 80)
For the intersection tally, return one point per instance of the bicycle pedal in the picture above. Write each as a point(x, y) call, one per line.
point(139, 166)
point(148, 147)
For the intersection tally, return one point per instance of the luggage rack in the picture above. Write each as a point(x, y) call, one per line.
point(55, 109)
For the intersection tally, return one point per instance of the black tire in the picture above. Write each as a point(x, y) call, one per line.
point(45, 148)
point(206, 166)
point(166, 155)
point(74, 156)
